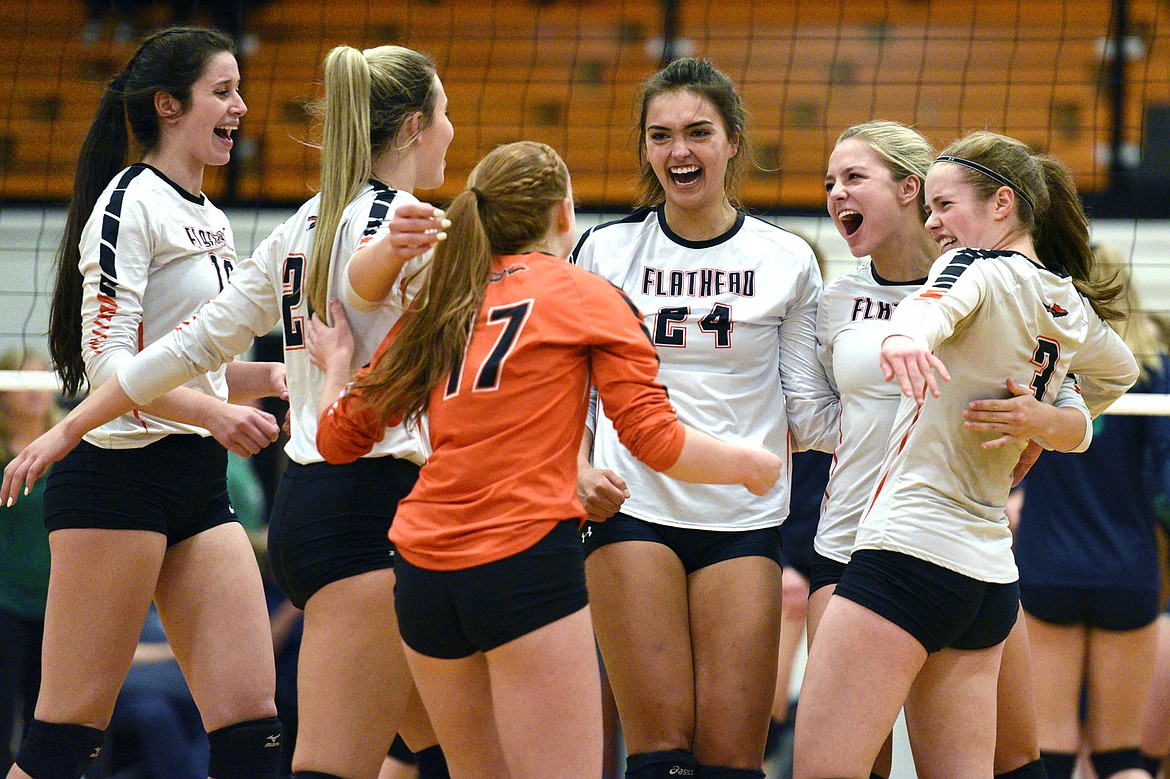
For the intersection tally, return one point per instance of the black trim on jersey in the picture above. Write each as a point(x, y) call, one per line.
point(380, 208)
point(959, 262)
point(111, 223)
point(672, 235)
point(196, 199)
point(964, 257)
point(887, 283)
point(634, 218)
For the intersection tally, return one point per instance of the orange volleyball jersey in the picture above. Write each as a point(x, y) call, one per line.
point(505, 431)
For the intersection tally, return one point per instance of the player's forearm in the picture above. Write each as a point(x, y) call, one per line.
point(251, 380)
point(372, 272)
point(1062, 429)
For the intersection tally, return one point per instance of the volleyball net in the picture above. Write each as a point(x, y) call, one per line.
point(1086, 80)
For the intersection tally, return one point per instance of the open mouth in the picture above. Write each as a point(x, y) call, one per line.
point(687, 174)
point(225, 132)
point(850, 221)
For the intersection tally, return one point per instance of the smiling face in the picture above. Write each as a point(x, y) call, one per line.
point(433, 141)
point(203, 131)
point(875, 213)
point(688, 147)
point(959, 216)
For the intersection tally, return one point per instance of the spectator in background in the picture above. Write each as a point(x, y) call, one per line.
point(122, 19)
point(1089, 575)
point(24, 558)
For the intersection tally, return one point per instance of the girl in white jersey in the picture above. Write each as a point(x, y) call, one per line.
point(684, 578)
point(143, 249)
point(929, 594)
point(385, 132)
point(875, 197)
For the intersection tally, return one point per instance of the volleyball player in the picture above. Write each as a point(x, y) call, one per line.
point(491, 589)
point(1089, 572)
point(930, 593)
point(143, 249)
point(385, 132)
point(876, 200)
point(686, 579)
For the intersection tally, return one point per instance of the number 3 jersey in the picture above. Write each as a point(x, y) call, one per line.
point(270, 288)
point(151, 255)
point(988, 315)
point(734, 321)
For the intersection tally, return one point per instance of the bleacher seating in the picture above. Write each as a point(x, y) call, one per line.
point(567, 73)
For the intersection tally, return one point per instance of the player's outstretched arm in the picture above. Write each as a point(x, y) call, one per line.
point(107, 403)
point(374, 268)
point(240, 429)
point(913, 365)
point(708, 460)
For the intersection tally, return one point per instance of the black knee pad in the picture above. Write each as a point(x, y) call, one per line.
point(246, 750)
point(1106, 764)
point(667, 764)
point(1033, 770)
point(719, 772)
point(57, 750)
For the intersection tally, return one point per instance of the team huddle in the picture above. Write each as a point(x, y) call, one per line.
point(512, 446)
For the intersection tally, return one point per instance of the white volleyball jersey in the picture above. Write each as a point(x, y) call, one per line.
point(151, 255)
point(269, 288)
point(988, 315)
point(852, 320)
point(733, 319)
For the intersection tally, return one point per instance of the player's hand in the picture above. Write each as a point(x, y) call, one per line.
point(242, 429)
point(1028, 458)
point(278, 381)
point(793, 594)
point(28, 466)
point(914, 367)
point(601, 492)
point(330, 347)
point(1015, 419)
point(763, 471)
point(415, 229)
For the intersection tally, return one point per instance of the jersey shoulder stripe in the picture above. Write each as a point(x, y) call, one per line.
point(383, 197)
point(111, 222)
point(959, 262)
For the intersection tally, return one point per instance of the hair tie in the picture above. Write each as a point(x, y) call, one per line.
point(991, 174)
point(477, 193)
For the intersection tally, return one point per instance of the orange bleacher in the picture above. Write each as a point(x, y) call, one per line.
point(567, 73)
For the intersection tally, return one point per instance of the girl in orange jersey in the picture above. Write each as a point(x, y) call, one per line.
point(499, 351)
